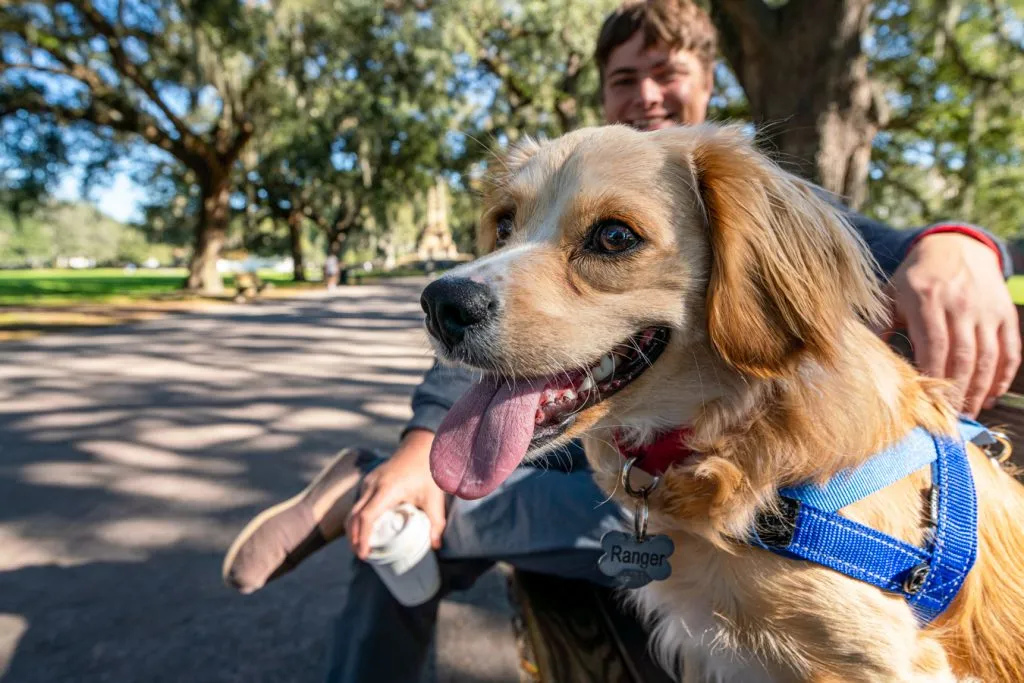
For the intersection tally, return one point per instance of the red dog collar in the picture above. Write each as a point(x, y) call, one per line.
point(666, 450)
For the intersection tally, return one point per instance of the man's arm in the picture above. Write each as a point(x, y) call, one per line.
point(890, 246)
point(405, 477)
point(437, 393)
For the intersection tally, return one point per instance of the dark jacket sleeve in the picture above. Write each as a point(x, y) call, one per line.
point(437, 393)
point(890, 246)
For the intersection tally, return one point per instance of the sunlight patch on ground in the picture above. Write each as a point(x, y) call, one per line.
point(70, 419)
point(195, 492)
point(389, 409)
point(12, 627)
point(199, 437)
point(143, 457)
point(319, 418)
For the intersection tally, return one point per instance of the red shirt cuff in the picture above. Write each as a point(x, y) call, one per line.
point(962, 230)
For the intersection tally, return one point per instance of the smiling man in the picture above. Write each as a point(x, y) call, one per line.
point(947, 280)
point(656, 61)
point(644, 82)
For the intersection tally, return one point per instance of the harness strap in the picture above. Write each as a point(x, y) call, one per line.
point(894, 463)
point(955, 545)
point(807, 526)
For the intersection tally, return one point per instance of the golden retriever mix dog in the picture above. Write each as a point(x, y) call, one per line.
point(643, 282)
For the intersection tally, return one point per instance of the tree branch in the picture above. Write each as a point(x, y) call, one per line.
point(258, 74)
point(131, 70)
point(948, 33)
point(751, 15)
point(343, 219)
point(346, 215)
point(567, 107)
point(743, 27)
point(245, 131)
point(912, 192)
point(76, 70)
point(1001, 31)
point(73, 70)
point(908, 121)
point(101, 112)
point(749, 19)
point(502, 70)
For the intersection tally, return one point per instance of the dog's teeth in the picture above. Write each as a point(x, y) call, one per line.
point(569, 395)
point(605, 369)
point(587, 384)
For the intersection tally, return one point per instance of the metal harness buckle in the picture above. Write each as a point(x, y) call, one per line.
point(996, 445)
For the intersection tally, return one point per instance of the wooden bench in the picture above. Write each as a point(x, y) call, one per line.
point(577, 632)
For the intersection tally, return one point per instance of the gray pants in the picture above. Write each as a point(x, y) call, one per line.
point(545, 521)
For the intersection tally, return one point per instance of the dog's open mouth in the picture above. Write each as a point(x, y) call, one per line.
point(489, 431)
point(568, 395)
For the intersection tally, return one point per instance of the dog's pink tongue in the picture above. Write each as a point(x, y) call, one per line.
point(485, 436)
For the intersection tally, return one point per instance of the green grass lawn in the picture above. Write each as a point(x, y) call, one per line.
point(28, 287)
point(43, 286)
point(1017, 289)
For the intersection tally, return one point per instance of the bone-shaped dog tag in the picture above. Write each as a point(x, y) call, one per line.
point(634, 563)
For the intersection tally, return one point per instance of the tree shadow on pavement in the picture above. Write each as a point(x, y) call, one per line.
point(130, 457)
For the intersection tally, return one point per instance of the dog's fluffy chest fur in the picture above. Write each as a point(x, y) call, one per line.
point(691, 629)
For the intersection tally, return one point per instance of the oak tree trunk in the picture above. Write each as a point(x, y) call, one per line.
point(295, 243)
point(805, 75)
point(211, 231)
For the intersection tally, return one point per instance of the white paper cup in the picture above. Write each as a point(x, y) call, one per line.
point(400, 552)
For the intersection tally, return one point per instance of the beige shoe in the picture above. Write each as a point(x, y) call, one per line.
point(278, 539)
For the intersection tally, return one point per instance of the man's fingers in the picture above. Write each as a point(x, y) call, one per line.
point(929, 337)
point(434, 509)
point(962, 356)
point(370, 514)
point(354, 525)
point(988, 358)
point(1009, 356)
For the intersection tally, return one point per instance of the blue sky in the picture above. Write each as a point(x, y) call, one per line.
point(121, 200)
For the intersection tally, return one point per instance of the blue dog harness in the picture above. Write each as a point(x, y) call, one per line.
point(807, 524)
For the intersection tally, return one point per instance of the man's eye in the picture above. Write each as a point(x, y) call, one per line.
point(623, 82)
point(613, 237)
point(504, 230)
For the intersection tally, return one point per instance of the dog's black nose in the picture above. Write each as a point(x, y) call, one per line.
point(453, 305)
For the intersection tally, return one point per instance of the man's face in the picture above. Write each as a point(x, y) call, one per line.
point(654, 88)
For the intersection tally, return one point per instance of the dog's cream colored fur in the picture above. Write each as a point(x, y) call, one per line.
point(771, 361)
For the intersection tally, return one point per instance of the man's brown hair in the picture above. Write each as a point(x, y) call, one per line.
point(680, 24)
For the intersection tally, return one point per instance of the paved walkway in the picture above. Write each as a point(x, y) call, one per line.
point(130, 456)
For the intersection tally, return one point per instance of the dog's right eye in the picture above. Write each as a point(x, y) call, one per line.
point(613, 237)
point(503, 230)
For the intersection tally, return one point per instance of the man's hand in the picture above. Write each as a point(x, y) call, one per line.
point(950, 294)
point(404, 478)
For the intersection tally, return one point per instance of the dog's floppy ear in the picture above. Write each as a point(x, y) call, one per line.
point(787, 272)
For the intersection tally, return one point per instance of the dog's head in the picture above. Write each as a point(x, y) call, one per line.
point(618, 263)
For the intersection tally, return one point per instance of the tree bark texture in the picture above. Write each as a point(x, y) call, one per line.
point(805, 75)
